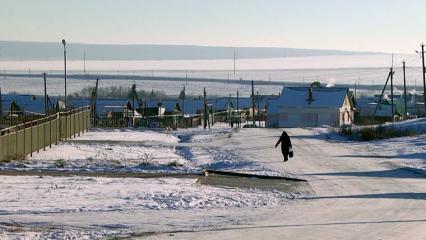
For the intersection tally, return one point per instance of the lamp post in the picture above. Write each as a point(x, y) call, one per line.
point(65, 70)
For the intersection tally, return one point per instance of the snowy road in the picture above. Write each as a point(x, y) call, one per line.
point(357, 196)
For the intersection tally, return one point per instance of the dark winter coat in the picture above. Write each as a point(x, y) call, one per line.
point(285, 143)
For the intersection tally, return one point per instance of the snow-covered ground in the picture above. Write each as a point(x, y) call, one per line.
point(362, 190)
point(407, 152)
point(128, 135)
point(127, 150)
point(153, 151)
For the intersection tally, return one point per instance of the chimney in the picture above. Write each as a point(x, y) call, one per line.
point(310, 96)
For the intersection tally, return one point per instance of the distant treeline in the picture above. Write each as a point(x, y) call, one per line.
point(119, 92)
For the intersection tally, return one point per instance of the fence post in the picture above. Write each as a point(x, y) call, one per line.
point(58, 128)
point(78, 123)
point(70, 125)
point(16, 143)
point(1, 148)
point(66, 126)
point(50, 132)
point(44, 135)
point(24, 137)
point(38, 136)
point(75, 129)
point(31, 139)
point(86, 119)
point(8, 145)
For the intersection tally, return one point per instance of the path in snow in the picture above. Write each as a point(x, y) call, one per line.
point(358, 196)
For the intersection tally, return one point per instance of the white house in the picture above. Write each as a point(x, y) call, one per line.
point(311, 107)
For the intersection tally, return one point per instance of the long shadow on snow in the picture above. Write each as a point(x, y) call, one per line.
point(403, 156)
point(406, 195)
point(304, 225)
point(405, 172)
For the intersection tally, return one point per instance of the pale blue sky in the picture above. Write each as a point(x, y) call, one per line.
point(374, 25)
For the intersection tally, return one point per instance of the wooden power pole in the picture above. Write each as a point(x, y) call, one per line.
point(381, 95)
point(252, 101)
point(424, 81)
point(46, 110)
point(393, 107)
point(238, 109)
point(1, 108)
point(133, 104)
point(405, 90)
point(205, 109)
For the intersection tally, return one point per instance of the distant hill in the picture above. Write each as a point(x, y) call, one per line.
point(14, 50)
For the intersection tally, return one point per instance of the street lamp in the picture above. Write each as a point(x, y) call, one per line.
point(65, 70)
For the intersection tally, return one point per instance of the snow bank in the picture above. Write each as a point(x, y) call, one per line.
point(103, 157)
point(35, 195)
point(127, 135)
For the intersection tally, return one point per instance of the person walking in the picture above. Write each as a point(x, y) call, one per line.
point(285, 145)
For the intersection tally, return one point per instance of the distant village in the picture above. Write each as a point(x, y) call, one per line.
point(310, 106)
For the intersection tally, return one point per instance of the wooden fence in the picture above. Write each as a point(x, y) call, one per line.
point(18, 141)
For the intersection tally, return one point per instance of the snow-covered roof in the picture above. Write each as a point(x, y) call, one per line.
point(103, 106)
point(27, 103)
point(321, 97)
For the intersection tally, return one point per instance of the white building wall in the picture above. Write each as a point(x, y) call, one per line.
point(295, 117)
point(310, 116)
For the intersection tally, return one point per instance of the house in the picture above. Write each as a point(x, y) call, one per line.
point(367, 107)
point(26, 104)
point(311, 107)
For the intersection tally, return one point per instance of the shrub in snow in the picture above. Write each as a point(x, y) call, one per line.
point(374, 132)
point(60, 163)
point(146, 159)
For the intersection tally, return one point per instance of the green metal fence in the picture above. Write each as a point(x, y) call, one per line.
point(21, 140)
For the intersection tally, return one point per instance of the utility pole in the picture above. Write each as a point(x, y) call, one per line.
point(405, 90)
point(133, 104)
point(65, 70)
point(95, 95)
point(355, 91)
point(46, 110)
point(183, 101)
point(238, 110)
point(393, 107)
point(1, 108)
point(424, 81)
point(205, 109)
point(258, 107)
point(381, 95)
point(252, 101)
point(229, 110)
